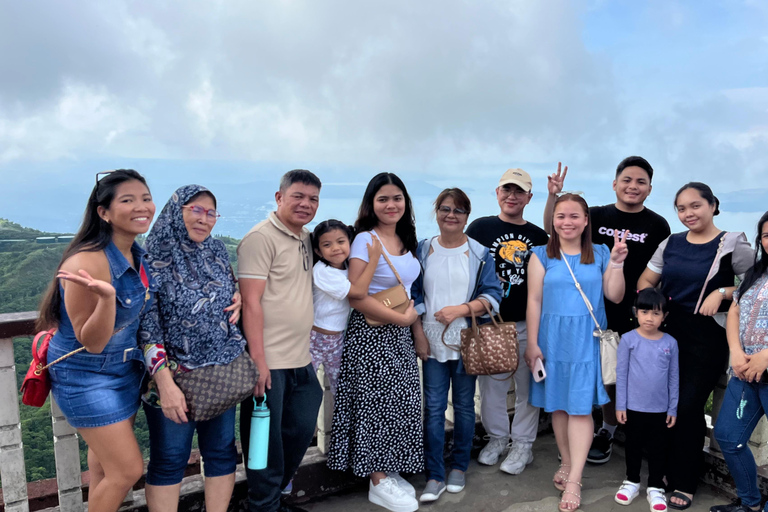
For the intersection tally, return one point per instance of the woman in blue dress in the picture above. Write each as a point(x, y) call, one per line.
point(560, 333)
point(95, 304)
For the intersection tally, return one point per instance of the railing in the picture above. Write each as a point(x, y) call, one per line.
point(65, 438)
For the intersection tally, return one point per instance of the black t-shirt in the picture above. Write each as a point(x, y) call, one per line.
point(510, 245)
point(647, 229)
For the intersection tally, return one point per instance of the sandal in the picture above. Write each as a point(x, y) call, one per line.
point(560, 483)
point(564, 501)
point(628, 492)
point(679, 495)
point(657, 499)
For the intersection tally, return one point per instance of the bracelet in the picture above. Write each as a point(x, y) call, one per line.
point(617, 265)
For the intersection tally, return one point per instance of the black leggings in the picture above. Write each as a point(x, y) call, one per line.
point(703, 357)
point(646, 430)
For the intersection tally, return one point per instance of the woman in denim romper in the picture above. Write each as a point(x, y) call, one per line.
point(97, 305)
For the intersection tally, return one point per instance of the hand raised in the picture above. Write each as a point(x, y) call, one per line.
point(555, 181)
point(620, 249)
point(101, 288)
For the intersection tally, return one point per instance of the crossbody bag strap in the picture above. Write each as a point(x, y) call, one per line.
point(583, 295)
point(706, 280)
point(386, 258)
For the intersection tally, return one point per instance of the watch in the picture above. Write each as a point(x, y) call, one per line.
point(722, 290)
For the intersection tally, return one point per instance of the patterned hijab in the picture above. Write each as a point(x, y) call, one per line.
point(196, 284)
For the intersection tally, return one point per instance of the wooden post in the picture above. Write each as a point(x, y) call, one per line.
point(13, 472)
point(66, 450)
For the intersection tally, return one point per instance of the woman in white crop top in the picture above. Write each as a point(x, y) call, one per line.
point(377, 425)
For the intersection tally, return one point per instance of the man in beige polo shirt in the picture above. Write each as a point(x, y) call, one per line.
point(275, 272)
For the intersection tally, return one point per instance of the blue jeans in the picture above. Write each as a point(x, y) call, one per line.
point(437, 377)
point(171, 443)
point(733, 434)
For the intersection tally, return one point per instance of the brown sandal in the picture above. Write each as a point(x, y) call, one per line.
point(560, 484)
point(564, 501)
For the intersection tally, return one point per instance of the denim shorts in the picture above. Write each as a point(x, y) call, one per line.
point(94, 390)
point(170, 445)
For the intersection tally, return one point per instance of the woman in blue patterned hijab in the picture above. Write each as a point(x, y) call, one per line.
point(191, 324)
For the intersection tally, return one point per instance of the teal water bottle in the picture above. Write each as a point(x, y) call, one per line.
point(258, 446)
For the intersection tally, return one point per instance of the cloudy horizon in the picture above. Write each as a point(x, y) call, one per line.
point(444, 93)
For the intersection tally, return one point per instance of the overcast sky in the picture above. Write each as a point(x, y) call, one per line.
point(449, 92)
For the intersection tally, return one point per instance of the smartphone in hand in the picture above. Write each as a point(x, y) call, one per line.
point(539, 374)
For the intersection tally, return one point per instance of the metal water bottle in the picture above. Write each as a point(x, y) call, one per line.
point(258, 446)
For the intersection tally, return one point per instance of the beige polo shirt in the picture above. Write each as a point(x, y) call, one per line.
point(272, 252)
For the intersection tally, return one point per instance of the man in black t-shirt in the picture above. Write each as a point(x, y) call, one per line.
point(509, 238)
point(647, 230)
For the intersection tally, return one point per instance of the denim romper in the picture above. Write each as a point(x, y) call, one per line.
point(94, 390)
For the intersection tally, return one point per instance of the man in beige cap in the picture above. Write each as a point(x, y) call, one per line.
point(509, 238)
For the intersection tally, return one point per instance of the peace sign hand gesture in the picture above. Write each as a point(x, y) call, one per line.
point(555, 181)
point(620, 250)
point(101, 288)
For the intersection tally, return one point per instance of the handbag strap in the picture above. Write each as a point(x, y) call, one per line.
point(706, 280)
point(386, 258)
point(583, 295)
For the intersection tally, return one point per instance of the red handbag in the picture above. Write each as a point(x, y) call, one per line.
point(37, 383)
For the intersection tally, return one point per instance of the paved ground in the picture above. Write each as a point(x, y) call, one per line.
point(488, 489)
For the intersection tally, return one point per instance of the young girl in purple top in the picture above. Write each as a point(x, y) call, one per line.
point(647, 386)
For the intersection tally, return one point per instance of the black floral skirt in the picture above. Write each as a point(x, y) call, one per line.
point(377, 422)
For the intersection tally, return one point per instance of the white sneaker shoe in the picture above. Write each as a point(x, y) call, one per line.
point(389, 495)
point(520, 455)
point(402, 482)
point(491, 453)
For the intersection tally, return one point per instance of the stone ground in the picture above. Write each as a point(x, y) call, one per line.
point(488, 489)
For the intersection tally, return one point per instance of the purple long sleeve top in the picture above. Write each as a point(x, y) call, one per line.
point(647, 374)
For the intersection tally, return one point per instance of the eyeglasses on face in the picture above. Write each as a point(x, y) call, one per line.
point(199, 211)
point(507, 191)
point(445, 210)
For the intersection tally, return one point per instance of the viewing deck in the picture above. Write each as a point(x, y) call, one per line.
point(325, 490)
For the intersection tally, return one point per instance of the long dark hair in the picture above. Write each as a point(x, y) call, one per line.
point(553, 246)
point(94, 235)
point(761, 260)
point(367, 220)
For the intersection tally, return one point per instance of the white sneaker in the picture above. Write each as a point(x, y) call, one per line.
point(389, 495)
point(520, 455)
point(402, 482)
point(490, 454)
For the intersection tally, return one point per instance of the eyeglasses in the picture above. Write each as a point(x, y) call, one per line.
point(507, 191)
point(199, 211)
point(304, 255)
point(446, 210)
point(100, 175)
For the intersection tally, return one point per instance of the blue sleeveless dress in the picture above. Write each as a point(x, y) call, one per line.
point(94, 390)
point(574, 380)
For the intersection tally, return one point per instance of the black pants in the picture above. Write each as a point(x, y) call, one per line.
point(703, 358)
point(646, 430)
point(293, 402)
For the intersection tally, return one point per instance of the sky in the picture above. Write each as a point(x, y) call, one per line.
point(444, 93)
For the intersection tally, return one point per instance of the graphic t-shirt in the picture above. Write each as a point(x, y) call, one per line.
point(510, 246)
point(647, 229)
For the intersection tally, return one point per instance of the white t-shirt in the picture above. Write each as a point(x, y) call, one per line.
point(383, 278)
point(446, 281)
point(330, 287)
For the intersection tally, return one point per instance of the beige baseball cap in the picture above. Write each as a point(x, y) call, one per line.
point(517, 177)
